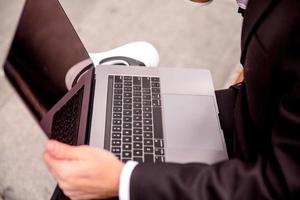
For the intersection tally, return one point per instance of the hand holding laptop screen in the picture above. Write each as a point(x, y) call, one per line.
point(84, 172)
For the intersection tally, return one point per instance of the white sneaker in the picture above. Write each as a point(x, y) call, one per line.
point(135, 53)
point(198, 3)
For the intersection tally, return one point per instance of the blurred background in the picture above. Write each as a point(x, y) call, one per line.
point(184, 33)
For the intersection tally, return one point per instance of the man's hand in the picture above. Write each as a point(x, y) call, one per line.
point(84, 172)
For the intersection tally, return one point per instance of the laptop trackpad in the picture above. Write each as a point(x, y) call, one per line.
point(191, 127)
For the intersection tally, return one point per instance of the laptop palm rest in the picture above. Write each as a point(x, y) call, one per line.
point(190, 129)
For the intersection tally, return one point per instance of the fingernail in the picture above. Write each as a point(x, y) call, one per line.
point(52, 146)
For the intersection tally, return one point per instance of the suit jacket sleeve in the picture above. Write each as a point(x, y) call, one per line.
point(275, 174)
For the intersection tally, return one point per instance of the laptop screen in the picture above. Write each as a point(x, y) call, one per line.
point(45, 46)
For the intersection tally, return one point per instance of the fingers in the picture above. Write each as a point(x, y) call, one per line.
point(83, 172)
point(74, 195)
point(56, 167)
point(63, 151)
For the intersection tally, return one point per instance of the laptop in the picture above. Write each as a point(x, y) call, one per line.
point(138, 113)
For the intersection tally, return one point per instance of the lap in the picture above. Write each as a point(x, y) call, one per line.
point(226, 104)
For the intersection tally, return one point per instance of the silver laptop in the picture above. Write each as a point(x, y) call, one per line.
point(144, 114)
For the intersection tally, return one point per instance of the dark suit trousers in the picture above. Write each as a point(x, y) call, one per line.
point(226, 103)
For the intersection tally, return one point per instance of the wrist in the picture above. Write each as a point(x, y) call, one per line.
point(117, 178)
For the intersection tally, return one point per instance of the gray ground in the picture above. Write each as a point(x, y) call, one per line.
point(184, 34)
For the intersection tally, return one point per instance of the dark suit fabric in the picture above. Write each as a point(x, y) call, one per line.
point(265, 162)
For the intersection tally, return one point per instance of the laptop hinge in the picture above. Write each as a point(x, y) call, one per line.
point(90, 110)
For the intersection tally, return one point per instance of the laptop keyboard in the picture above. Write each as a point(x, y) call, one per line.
point(134, 118)
point(66, 121)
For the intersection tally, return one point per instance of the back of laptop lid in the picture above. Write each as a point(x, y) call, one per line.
point(45, 46)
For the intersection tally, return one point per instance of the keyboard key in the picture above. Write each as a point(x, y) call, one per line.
point(127, 100)
point(159, 159)
point(118, 86)
point(159, 152)
point(117, 115)
point(127, 78)
point(117, 128)
point(117, 109)
point(127, 89)
point(116, 135)
point(116, 142)
point(137, 117)
point(147, 128)
point(124, 160)
point(156, 102)
point(127, 119)
point(147, 115)
point(146, 97)
point(138, 88)
point(127, 94)
point(137, 145)
point(118, 91)
point(117, 122)
point(148, 149)
point(155, 90)
point(117, 103)
point(117, 97)
point(147, 109)
point(146, 82)
point(148, 157)
point(137, 111)
point(127, 106)
point(127, 125)
point(127, 83)
point(137, 124)
point(155, 96)
point(116, 150)
point(126, 139)
point(127, 147)
point(147, 121)
point(126, 154)
point(137, 99)
point(137, 131)
point(158, 143)
point(137, 105)
point(157, 85)
point(127, 132)
point(154, 79)
point(137, 152)
point(127, 112)
point(137, 138)
point(146, 91)
point(157, 121)
point(148, 142)
point(137, 94)
point(137, 80)
point(118, 79)
point(147, 103)
point(148, 135)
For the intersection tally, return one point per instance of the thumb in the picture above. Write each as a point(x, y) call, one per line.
point(62, 151)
